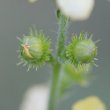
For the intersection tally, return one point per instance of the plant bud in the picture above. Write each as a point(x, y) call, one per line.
point(81, 50)
point(35, 49)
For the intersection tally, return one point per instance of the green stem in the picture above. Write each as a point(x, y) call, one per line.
point(63, 22)
point(55, 89)
point(56, 78)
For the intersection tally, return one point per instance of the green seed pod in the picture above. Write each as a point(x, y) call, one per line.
point(81, 50)
point(34, 50)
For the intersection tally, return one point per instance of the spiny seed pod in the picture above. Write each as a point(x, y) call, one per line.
point(81, 50)
point(34, 50)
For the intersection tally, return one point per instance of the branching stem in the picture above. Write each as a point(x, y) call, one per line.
point(56, 76)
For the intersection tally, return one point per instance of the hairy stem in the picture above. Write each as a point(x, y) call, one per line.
point(56, 78)
point(63, 22)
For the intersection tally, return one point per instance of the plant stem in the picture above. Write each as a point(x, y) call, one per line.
point(56, 76)
point(63, 22)
point(54, 91)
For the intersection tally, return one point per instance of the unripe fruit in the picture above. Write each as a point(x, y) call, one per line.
point(35, 49)
point(81, 50)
